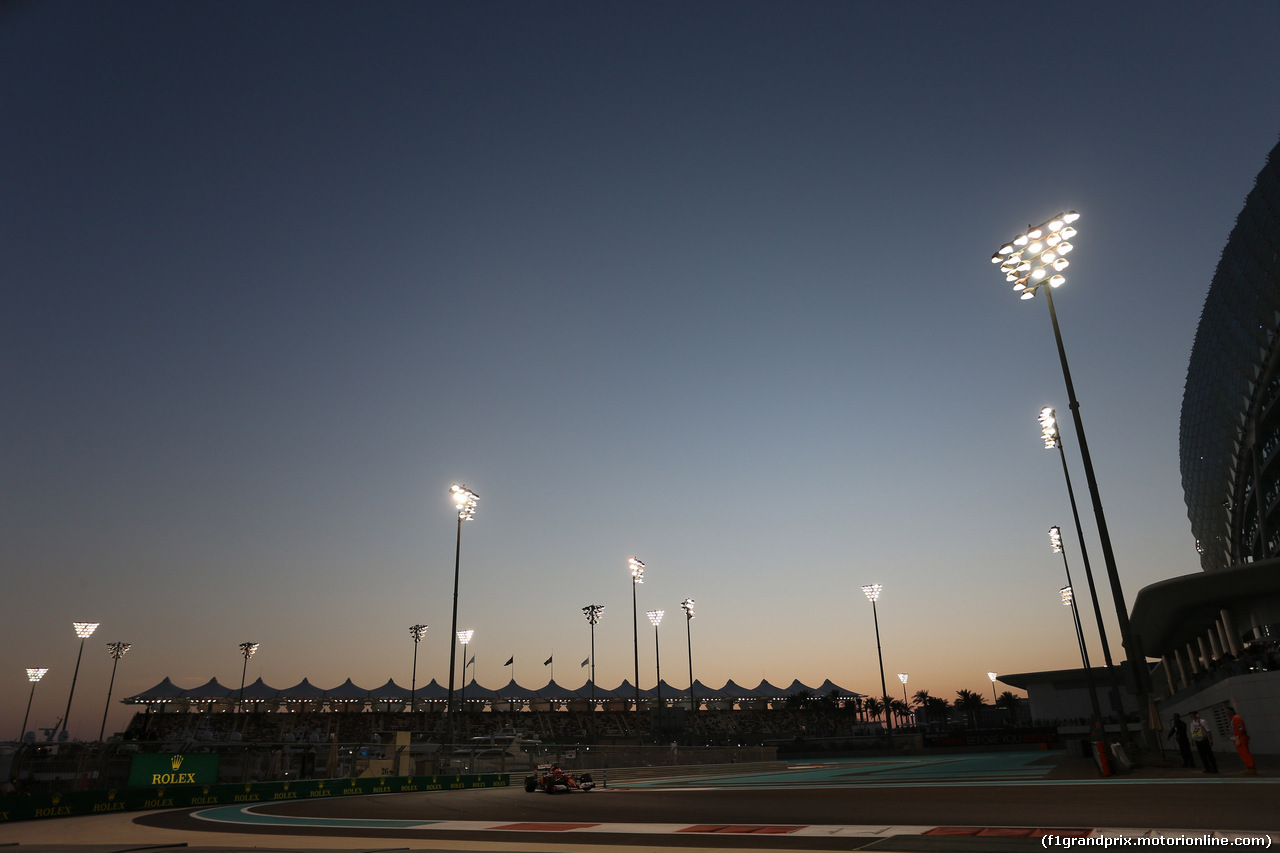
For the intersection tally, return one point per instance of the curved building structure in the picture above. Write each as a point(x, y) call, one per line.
point(1217, 631)
point(1230, 428)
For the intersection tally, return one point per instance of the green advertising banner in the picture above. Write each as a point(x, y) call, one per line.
point(153, 769)
point(15, 807)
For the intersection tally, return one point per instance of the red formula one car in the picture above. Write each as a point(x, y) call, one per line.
point(553, 780)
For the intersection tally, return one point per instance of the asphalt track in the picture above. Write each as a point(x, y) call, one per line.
point(993, 801)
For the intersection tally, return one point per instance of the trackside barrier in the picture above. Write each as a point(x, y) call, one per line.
point(68, 803)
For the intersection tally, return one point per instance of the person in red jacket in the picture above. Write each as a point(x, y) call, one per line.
point(1240, 735)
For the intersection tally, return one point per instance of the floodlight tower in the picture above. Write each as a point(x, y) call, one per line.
point(1033, 261)
point(593, 612)
point(117, 651)
point(1055, 542)
point(637, 578)
point(655, 617)
point(687, 607)
point(872, 592)
point(248, 650)
point(1053, 439)
point(465, 502)
point(84, 630)
point(417, 632)
point(34, 676)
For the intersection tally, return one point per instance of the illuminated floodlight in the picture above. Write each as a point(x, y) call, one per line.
point(34, 675)
point(655, 616)
point(465, 636)
point(1066, 595)
point(593, 612)
point(687, 607)
point(1049, 427)
point(902, 676)
point(637, 569)
point(84, 630)
point(1034, 259)
point(248, 650)
point(465, 499)
point(117, 650)
point(1055, 539)
point(417, 632)
point(872, 591)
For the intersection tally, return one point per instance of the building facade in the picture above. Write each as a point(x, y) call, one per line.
point(1230, 428)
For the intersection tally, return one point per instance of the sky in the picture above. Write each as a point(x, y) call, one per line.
point(707, 283)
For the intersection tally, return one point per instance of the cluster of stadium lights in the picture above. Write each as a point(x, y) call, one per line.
point(1036, 257)
point(1049, 427)
point(466, 501)
point(1055, 539)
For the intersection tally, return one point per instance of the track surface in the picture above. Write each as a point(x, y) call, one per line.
point(818, 805)
point(897, 803)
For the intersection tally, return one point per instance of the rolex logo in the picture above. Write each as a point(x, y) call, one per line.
point(57, 798)
point(175, 761)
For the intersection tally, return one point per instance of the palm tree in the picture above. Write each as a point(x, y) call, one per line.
point(873, 707)
point(970, 703)
point(935, 707)
point(900, 708)
point(1010, 703)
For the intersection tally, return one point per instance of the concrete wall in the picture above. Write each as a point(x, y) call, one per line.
point(1256, 696)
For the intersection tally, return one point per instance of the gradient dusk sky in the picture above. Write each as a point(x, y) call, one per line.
point(703, 282)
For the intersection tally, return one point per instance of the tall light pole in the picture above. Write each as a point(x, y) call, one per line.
point(1055, 542)
point(655, 617)
point(417, 632)
point(1030, 261)
point(687, 607)
point(992, 676)
point(116, 650)
point(872, 592)
point(248, 650)
point(34, 676)
point(1053, 439)
point(593, 612)
point(84, 630)
point(464, 637)
point(902, 676)
point(637, 578)
point(465, 501)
